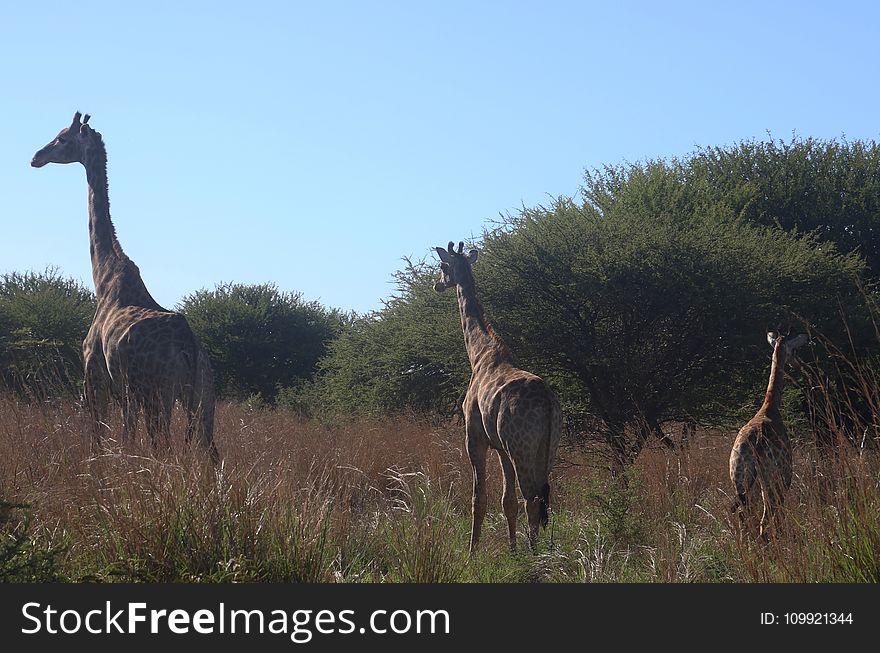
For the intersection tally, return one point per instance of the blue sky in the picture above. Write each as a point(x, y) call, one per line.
point(315, 144)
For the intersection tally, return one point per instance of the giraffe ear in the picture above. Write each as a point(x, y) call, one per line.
point(472, 256)
point(771, 338)
point(443, 254)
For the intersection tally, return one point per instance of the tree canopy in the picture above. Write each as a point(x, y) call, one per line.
point(647, 298)
point(830, 188)
point(657, 318)
point(260, 339)
point(43, 320)
point(408, 355)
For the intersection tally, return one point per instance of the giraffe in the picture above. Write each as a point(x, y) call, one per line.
point(136, 353)
point(505, 408)
point(760, 460)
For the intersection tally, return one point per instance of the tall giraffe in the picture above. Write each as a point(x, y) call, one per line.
point(760, 460)
point(507, 409)
point(136, 352)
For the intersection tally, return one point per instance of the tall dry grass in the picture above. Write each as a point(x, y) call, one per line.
point(291, 500)
point(389, 500)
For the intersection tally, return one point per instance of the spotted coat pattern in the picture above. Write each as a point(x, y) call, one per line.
point(760, 460)
point(507, 409)
point(136, 353)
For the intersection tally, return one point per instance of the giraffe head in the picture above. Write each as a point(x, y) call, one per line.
point(455, 267)
point(785, 345)
point(71, 145)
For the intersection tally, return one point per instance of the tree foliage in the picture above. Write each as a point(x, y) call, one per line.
point(44, 318)
point(260, 339)
point(658, 318)
point(407, 355)
point(646, 299)
point(829, 188)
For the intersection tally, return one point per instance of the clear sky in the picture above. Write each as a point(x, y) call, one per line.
point(314, 144)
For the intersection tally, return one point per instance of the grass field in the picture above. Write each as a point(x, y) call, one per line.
point(389, 500)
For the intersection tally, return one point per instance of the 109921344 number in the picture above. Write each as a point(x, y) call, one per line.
point(809, 618)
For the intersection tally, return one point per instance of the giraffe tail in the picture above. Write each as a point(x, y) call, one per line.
point(202, 402)
point(544, 514)
point(739, 502)
point(544, 497)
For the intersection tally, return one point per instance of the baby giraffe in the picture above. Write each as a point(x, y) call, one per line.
point(506, 409)
point(761, 457)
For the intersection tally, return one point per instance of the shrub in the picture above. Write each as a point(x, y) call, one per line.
point(409, 355)
point(259, 338)
point(44, 318)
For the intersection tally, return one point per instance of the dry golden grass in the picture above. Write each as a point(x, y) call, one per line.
point(389, 500)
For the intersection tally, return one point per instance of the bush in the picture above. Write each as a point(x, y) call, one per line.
point(409, 355)
point(22, 558)
point(260, 339)
point(44, 318)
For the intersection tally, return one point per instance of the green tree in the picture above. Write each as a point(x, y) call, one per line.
point(655, 318)
point(44, 318)
point(646, 300)
point(260, 339)
point(408, 355)
point(830, 188)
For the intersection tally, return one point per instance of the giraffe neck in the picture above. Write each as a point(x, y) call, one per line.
point(116, 277)
point(773, 397)
point(483, 345)
point(103, 246)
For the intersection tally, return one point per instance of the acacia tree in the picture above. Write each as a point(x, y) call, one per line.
point(646, 299)
point(829, 188)
point(655, 318)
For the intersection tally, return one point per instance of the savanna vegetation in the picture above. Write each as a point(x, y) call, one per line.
point(644, 301)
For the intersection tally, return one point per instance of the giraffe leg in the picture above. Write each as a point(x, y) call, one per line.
point(744, 475)
point(532, 489)
point(200, 418)
point(748, 512)
point(199, 421)
point(97, 400)
point(773, 500)
point(509, 500)
point(159, 421)
point(533, 509)
point(478, 447)
point(96, 386)
point(130, 410)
